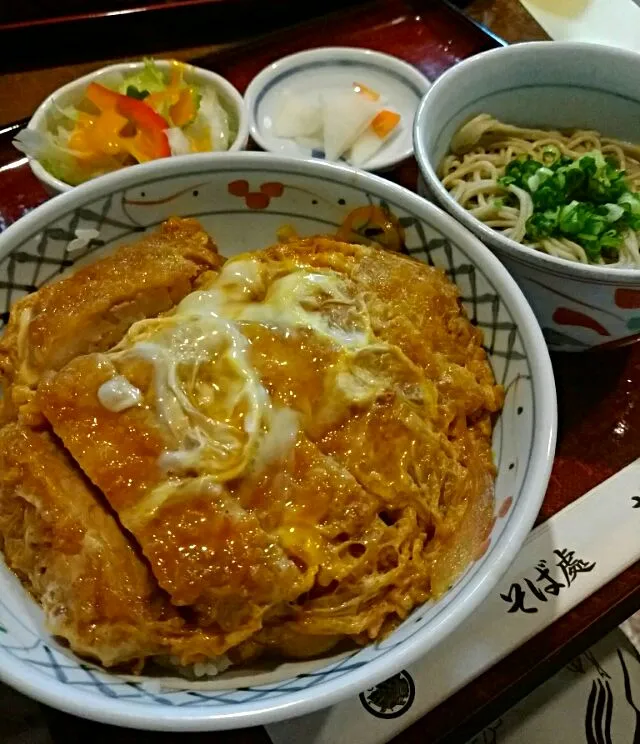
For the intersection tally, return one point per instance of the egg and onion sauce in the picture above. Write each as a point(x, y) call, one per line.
point(300, 448)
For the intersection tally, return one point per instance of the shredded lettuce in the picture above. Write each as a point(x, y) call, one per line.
point(51, 151)
point(587, 200)
point(178, 141)
point(197, 102)
point(151, 80)
point(141, 84)
point(212, 122)
point(46, 148)
point(67, 114)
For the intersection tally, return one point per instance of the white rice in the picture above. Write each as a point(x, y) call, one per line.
point(209, 668)
point(151, 686)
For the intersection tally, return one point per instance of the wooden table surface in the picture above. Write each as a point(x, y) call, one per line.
point(590, 449)
point(506, 18)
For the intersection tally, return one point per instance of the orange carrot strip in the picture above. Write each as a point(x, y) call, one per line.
point(385, 122)
point(365, 91)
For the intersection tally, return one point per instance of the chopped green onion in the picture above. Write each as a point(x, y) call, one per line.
point(133, 92)
point(587, 200)
point(614, 212)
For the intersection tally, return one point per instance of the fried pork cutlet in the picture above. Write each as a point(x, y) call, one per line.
point(93, 308)
point(56, 530)
point(61, 539)
point(297, 446)
point(70, 552)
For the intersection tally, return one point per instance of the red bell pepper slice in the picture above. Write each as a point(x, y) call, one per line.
point(137, 112)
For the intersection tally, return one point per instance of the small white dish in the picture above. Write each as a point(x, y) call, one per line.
point(71, 94)
point(328, 69)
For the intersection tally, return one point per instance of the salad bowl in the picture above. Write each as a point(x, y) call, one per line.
point(45, 157)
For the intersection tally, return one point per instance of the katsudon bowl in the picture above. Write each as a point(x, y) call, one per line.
point(244, 201)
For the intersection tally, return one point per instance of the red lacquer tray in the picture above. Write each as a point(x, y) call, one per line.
point(599, 393)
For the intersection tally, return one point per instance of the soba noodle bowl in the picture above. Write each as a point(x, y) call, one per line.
point(480, 156)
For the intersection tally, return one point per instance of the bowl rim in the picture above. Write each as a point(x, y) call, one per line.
point(38, 117)
point(138, 715)
point(329, 53)
point(587, 273)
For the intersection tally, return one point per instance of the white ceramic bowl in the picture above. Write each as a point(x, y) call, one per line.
point(72, 93)
point(242, 199)
point(550, 85)
point(336, 69)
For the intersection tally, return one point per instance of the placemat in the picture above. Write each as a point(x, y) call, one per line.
point(594, 699)
point(563, 561)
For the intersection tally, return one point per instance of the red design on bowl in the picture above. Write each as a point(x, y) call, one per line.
point(629, 299)
point(256, 199)
point(238, 188)
point(565, 316)
point(272, 189)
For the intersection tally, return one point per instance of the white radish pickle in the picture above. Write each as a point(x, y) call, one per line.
point(299, 116)
point(345, 117)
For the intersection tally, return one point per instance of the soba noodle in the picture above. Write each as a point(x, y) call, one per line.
point(484, 146)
